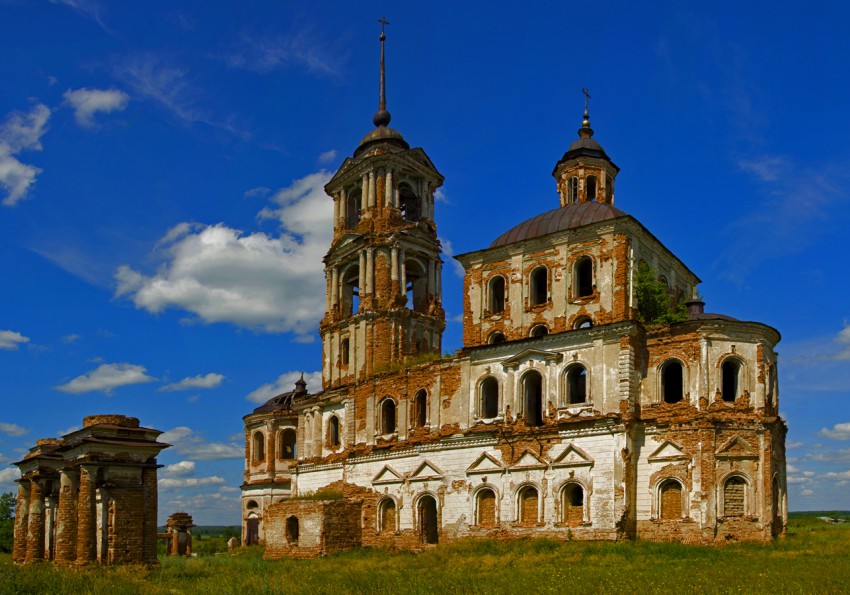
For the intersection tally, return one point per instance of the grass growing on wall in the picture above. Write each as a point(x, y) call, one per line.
point(812, 559)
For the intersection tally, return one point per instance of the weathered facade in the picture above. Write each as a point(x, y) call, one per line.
point(563, 415)
point(91, 496)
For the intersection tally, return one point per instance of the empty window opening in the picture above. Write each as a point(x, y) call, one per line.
point(539, 331)
point(528, 505)
point(387, 416)
point(583, 322)
point(609, 189)
point(420, 409)
point(333, 432)
point(428, 524)
point(291, 532)
point(386, 515)
point(731, 371)
point(409, 203)
point(576, 385)
point(584, 277)
point(252, 504)
point(345, 352)
point(496, 337)
point(489, 398)
point(572, 504)
point(287, 444)
point(416, 290)
point(572, 190)
point(259, 447)
point(672, 382)
point(350, 298)
point(353, 204)
point(486, 508)
point(497, 295)
point(591, 188)
point(532, 387)
point(733, 496)
point(671, 500)
point(539, 282)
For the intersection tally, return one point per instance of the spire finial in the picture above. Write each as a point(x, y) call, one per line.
point(382, 116)
point(585, 131)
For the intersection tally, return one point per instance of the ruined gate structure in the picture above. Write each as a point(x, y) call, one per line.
point(90, 497)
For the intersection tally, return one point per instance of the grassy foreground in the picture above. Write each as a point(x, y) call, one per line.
point(814, 558)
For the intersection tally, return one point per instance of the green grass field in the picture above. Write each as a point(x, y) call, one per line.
point(813, 558)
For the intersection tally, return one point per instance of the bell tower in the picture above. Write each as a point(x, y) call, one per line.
point(383, 269)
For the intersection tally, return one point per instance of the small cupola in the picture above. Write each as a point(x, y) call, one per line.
point(585, 173)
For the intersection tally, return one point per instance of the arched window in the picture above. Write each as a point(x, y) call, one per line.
point(496, 337)
point(353, 202)
point(409, 203)
point(734, 491)
point(672, 382)
point(532, 388)
point(527, 511)
point(291, 531)
point(286, 449)
point(485, 508)
point(333, 431)
point(539, 286)
point(539, 330)
point(731, 372)
point(387, 515)
point(572, 504)
point(420, 409)
point(670, 496)
point(576, 384)
point(344, 352)
point(584, 277)
point(583, 322)
point(417, 286)
point(489, 405)
point(350, 290)
point(252, 504)
point(496, 293)
point(429, 529)
point(609, 189)
point(259, 447)
point(572, 190)
point(387, 416)
point(590, 183)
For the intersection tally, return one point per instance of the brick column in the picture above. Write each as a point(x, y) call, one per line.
point(22, 515)
point(66, 516)
point(35, 530)
point(86, 521)
point(149, 537)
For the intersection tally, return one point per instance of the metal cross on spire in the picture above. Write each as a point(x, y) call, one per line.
point(383, 21)
point(586, 122)
point(382, 117)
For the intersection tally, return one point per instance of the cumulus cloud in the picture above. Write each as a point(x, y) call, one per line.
point(840, 475)
point(257, 280)
point(193, 445)
point(327, 156)
point(13, 430)
point(106, 378)
point(11, 340)
point(189, 482)
point(837, 432)
point(210, 380)
point(284, 384)
point(842, 339)
point(72, 338)
point(20, 132)
point(88, 102)
point(179, 469)
point(9, 475)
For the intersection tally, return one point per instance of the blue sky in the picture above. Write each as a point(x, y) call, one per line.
point(162, 220)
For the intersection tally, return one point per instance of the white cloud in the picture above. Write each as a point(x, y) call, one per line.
point(327, 156)
point(9, 475)
point(284, 384)
point(806, 493)
point(13, 430)
point(794, 444)
point(210, 380)
point(843, 340)
point(841, 475)
point(72, 338)
point(11, 340)
point(798, 479)
point(189, 482)
point(448, 250)
point(68, 430)
point(88, 102)
point(193, 445)
point(838, 432)
point(440, 196)
point(180, 469)
point(256, 280)
point(106, 378)
point(20, 132)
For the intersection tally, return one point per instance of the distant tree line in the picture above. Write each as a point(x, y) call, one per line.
point(7, 521)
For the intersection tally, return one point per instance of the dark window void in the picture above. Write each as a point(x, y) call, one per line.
point(496, 292)
point(572, 190)
point(731, 370)
point(528, 498)
point(583, 322)
point(539, 290)
point(287, 444)
point(496, 337)
point(252, 504)
point(252, 531)
point(417, 286)
point(539, 331)
point(387, 416)
point(572, 505)
point(576, 385)
point(345, 352)
point(387, 516)
point(486, 508)
point(291, 533)
point(428, 526)
point(672, 382)
point(584, 277)
point(409, 203)
point(489, 398)
point(333, 431)
point(350, 298)
point(671, 500)
point(352, 208)
point(733, 496)
point(420, 409)
point(259, 447)
point(532, 386)
point(590, 183)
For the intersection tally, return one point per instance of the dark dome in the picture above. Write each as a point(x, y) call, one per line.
point(283, 401)
point(568, 217)
point(382, 134)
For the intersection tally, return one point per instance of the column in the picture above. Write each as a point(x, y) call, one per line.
point(402, 275)
point(364, 193)
point(388, 188)
point(271, 452)
point(35, 529)
point(394, 264)
point(371, 188)
point(22, 513)
point(361, 281)
point(342, 208)
point(337, 209)
point(370, 270)
point(334, 287)
point(86, 521)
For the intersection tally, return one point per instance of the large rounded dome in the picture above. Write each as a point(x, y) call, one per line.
point(560, 219)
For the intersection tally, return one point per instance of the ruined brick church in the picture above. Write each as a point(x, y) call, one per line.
point(563, 415)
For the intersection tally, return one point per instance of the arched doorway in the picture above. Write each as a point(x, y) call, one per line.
point(428, 528)
point(252, 531)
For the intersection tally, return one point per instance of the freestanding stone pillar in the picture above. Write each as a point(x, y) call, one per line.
point(66, 516)
point(22, 516)
point(86, 515)
point(35, 531)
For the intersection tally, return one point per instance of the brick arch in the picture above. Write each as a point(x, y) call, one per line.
point(743, 377)
point(659, 376)
point(482, 515)
point(525, 506)
point(670, 499)
point(387, 514)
